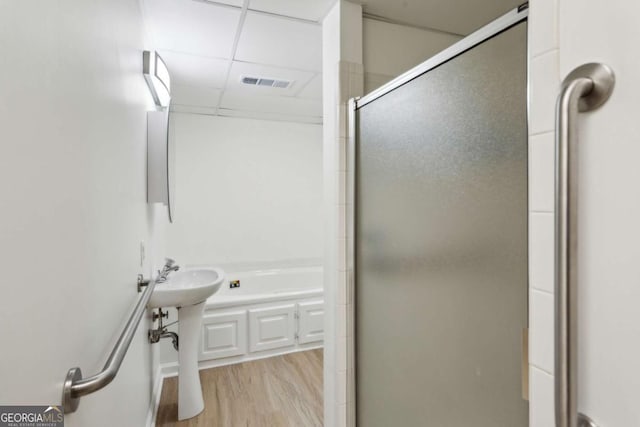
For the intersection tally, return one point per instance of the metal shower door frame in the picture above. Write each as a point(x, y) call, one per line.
point(492, 29)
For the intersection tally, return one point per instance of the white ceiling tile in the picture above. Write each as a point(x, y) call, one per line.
point(190, 109)
point(280, 41)
point(313, 89)
point(245, 69)
point(200, 28)
point(313, 10)
point(195, 96)
point(236, 3)
point(195, 70)
point(235, 100)
point(270, 116)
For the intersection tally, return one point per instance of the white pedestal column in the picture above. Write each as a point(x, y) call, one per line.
point(190, 402)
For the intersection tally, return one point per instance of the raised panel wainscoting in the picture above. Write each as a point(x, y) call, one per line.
point(272, 327)
point(248, 332)
point(224, 335)
point(310, 322)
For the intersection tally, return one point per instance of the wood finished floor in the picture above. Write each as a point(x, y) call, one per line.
point(281, 391)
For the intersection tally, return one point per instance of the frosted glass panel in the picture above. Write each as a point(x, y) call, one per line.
point(441, 244)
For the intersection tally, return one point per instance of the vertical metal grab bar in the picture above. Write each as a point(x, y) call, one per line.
point(584, 89)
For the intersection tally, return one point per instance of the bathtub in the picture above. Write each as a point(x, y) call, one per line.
point(261, 286)
point(272, 312)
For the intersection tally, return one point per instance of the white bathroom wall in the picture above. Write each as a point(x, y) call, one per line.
point(390, 49)
point(248, 192)
point(73, 108)
point(564, 34)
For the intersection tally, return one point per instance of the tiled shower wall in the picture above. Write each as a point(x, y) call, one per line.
point(343, 78)
point(544, 83)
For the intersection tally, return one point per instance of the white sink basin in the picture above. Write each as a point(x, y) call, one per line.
point(189, 287)
point(188, 290)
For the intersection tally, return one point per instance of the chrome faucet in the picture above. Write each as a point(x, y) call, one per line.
point(169, 266)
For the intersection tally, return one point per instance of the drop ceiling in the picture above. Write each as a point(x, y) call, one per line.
point(209, 46)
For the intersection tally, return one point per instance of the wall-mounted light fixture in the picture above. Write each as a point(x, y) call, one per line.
point(157, 76)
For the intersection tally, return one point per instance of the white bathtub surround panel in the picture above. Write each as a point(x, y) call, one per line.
point(272, 312)
point(272, 327)
point(251, 266)
point(247, 332)
point(311, 321)
point(263, 283)
point(224, 335)
point(248, 191)
point(73, 185)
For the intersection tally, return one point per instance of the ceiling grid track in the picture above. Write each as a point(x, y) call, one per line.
point(236, 41)
point(211, 60)
point(264, 12)
point(304, 86)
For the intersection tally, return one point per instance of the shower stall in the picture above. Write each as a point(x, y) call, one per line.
point(440, 238)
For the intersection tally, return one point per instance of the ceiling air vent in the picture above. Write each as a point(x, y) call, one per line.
point(262, 81)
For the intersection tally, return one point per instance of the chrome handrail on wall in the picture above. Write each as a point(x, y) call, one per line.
point(584, 89)
point(75, 386)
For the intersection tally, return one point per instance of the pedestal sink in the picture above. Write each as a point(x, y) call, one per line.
point(188, 290)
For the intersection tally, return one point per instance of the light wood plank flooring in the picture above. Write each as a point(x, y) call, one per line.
point(281, 391)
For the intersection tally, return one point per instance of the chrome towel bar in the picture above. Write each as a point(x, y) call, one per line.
point(75, 386)
point(584, 89)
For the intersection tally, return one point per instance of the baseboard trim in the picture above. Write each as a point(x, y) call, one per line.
point(155, 398)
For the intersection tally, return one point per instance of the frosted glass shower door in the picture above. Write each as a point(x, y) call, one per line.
point(441, 244)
